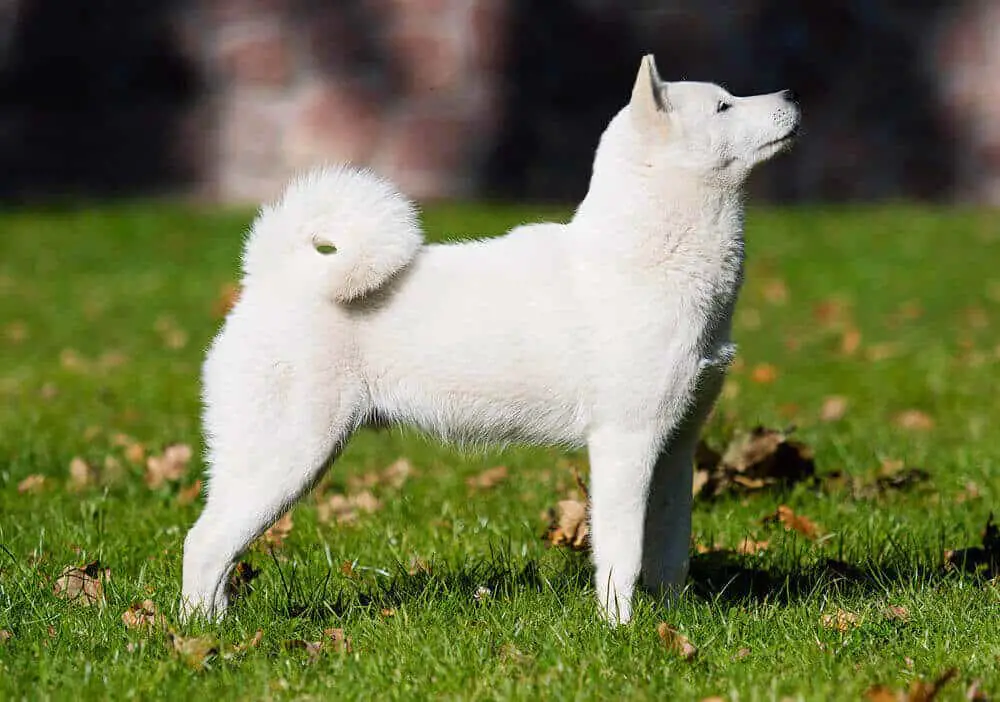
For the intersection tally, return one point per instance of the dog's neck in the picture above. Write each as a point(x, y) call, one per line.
point(674, 219)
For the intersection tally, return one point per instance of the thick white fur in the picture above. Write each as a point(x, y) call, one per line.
point(610, 332)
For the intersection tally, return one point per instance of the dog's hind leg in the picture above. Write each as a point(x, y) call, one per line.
point(621, 467)
point(259, 465)
point(667, 532)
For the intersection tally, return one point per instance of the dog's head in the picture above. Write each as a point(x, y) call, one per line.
point(701, 127)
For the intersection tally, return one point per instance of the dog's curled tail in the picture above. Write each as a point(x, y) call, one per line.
point(339, 230)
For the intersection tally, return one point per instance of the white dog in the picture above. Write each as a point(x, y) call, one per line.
point(610, 332)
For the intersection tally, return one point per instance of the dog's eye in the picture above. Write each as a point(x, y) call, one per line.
point(723, 106)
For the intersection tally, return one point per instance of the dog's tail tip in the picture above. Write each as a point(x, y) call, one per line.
point(348, 227)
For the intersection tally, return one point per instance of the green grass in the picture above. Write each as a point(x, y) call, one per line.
point(85, 297)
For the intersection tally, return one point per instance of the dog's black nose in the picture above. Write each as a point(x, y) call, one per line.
point(790, 95)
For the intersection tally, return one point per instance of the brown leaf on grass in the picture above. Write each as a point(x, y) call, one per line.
point(252, 643)
point(983, 559)
point(975, 692)
point(16, 332)
point(785, 516)
point(850, 341)
point(333, 640)
point(277, 533)
point(568, 525)
point(169, 466)
point(82, 585)
point(750, 547)
point(393, 476)
point(759, 459)
point(5, 636)
point(896, 477)
point(171, 334)
point(764, 373)
point(72, 360)
point(897, 612)
point(226, 299)
point(488, 478)
point(241, 579)
point(81, 474)
point(419, 566)
point(337, 641)
point(742, 653)
point(919, 691)
point(843, 621)
point(832, 313)
point(776, 291)
point(143, 615)
point(970, 492)
point(676, 642)
point(33, 483)
point(345, 509)
point(834, 408)
point(195, 651)
point(914, 420)
point(881, 693)
point(186, 496)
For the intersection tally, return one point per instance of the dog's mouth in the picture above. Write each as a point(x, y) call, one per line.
point(786, 138)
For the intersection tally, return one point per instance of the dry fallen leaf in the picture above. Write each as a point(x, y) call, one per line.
point(834, 408)
point(170, 466)
point(81, 474)
point(914, 420)
point(240, 579)
point(897, 612)
point(764, 373)
point(850, 341)
point(568, 525)
point(776, 291)
point(843, 621)
point(742, 653)
point(143, 615)
point(676, 642)
point(975, 692)
point(488, 478)
point(333, 640)
point(229, 294)
point(275, 536)
point(33, 483)
point(186, 496)
point(345, 509)
point(983, 559)
point(393, 476)
point(195, 651)
point(749, 547)
point(793, 522)
point(82, 585)
point(919, 691)
point(753, 460)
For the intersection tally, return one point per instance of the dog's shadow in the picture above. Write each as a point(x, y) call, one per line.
point(724, 578)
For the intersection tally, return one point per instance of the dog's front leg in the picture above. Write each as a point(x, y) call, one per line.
point(621, 466)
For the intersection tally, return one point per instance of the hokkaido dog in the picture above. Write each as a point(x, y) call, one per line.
point(611, 331)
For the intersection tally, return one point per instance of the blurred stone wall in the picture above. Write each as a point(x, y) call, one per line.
point(225, 99)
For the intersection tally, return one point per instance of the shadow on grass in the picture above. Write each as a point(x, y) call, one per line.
point(722, 577)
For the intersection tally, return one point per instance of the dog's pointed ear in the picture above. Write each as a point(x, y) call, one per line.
point(648, 103)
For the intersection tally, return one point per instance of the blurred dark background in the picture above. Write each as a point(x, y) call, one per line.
point(223, 99)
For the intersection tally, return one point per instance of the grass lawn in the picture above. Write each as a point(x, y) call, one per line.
point(874, 331)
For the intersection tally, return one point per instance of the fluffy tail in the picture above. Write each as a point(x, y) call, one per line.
point(339, 230)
